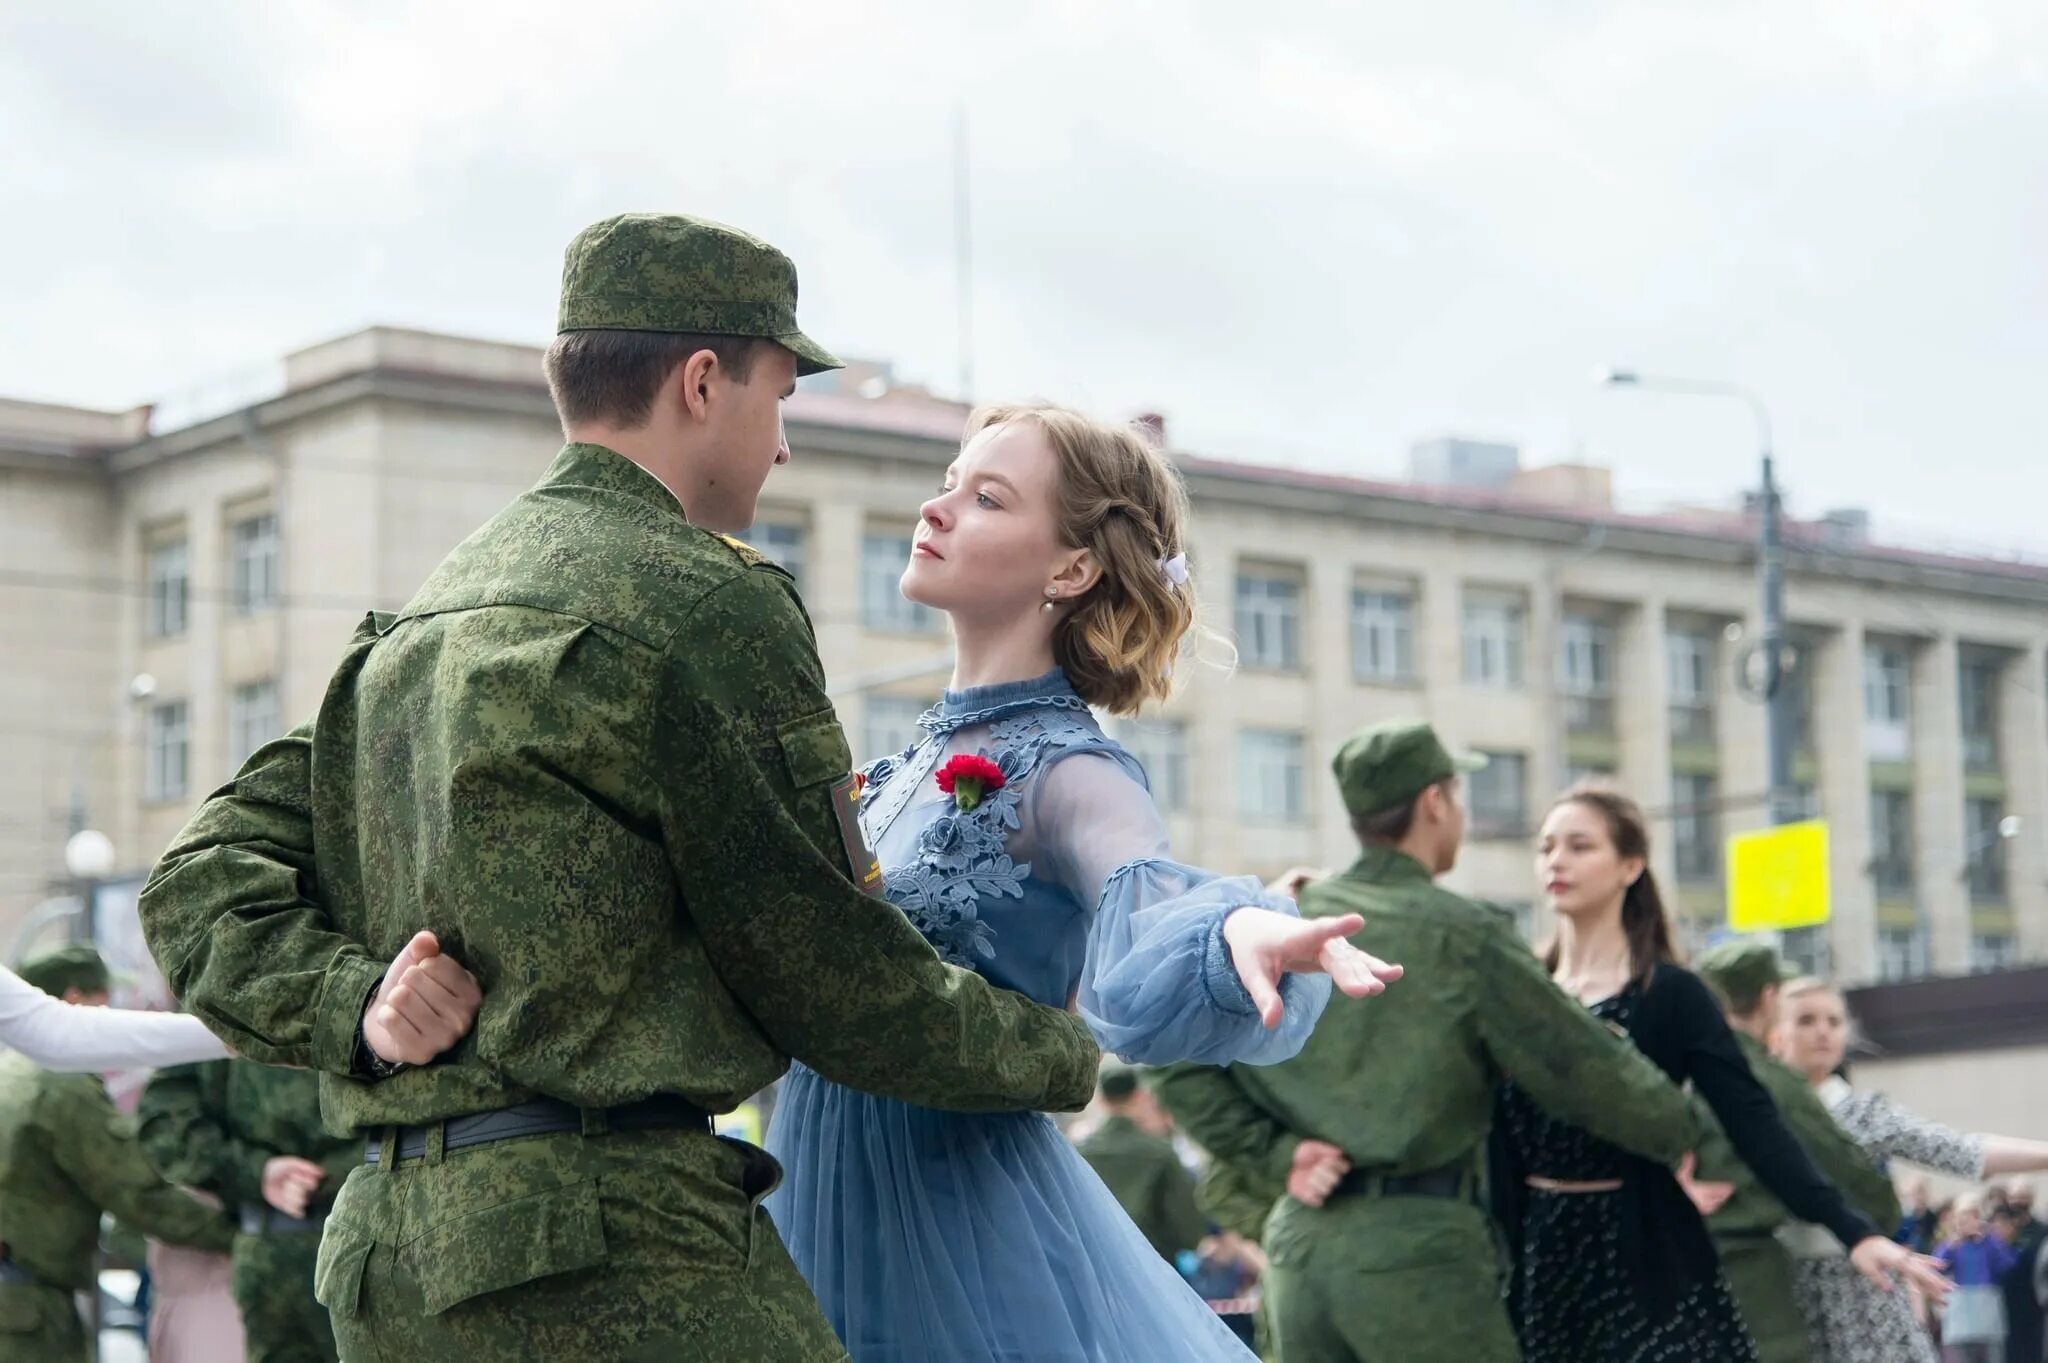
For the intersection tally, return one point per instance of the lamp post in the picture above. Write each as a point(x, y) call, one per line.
point(1769, 664)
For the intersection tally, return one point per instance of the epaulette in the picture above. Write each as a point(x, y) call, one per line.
point(749, 555)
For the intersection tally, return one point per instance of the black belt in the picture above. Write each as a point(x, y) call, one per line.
point(541, 1117)
point(260, 1218)
point(1453, 1185)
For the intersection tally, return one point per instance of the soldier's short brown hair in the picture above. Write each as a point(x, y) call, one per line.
point(1389, 826)
point(612, 376)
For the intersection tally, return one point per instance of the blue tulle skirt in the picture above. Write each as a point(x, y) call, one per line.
point(943, 1237)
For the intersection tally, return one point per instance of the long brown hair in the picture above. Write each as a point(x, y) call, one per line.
point(1643, 917)
point(1123, 502)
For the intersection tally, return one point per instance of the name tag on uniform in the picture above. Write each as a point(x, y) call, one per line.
point(867, 872)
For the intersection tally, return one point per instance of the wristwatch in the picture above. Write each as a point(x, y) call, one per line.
point(367, 1062)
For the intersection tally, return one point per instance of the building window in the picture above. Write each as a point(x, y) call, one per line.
point(1891, 843)
point(1498, 795)
point(1695, 827)
point(1382, 635)
point(253, 720)
point(1272, 785)
point(169, 753)
point(1269, 619)
point(1901, 954)
point(1984, 850)
point(889, 725)
point(1493, 635)
point(1161, 747)
point(1525, 918)
point(253, 563)
point(1689, 682)
point(1585, 662)
point(1887, 702)
point(784, 543)
point(1807, 951)
point(1993, 951)
point(1805, 802)
point(882, 603)
point(170, 586)
point(1977, 697)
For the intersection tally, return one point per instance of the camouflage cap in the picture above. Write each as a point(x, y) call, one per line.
point(1386, 765)
point(76, 966)
point(672, 272)
point(1740, 972)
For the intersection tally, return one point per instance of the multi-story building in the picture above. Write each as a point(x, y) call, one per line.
point(172, 597)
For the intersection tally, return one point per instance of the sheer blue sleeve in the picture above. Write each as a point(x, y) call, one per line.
point(1157, 982)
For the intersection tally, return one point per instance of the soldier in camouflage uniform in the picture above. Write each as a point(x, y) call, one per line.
point(1746, 976)
point(66, 1158)
point(1379, 1126)
point(1140, 1167)
point(594, 755)
point(251, 1135)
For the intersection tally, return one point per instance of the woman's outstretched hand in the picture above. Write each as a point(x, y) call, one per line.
point(1265, 945)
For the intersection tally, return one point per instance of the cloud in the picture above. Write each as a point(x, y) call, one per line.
point(1310, 231)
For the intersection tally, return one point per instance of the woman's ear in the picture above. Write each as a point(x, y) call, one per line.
point(1077, 573)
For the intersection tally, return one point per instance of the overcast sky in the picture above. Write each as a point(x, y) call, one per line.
point(1308, 233)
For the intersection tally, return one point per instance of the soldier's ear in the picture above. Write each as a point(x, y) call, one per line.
point(689, 385)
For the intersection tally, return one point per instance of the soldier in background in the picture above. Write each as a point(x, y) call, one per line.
point(1134, 1157)
point(251, 1135)
point(68, 1157)
point(1378, 1128)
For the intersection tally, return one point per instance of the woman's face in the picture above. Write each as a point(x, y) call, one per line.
point(1813, 1032)
point(988, 544)
point(1577, 864)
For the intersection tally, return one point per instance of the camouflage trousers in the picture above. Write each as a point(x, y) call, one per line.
point(633, 1245)
point(1365, 1279)
point(40, 1324)
point(1760, 1275)
point(273, 1281)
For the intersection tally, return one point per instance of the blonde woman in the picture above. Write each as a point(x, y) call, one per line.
point(1022, 842)
point(1848, 1319)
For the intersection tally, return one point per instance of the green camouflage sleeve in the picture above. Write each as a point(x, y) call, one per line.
point(1834, 1151)
point(837, 978)
point(96, 1148)
point(1178, 1210)
point(242, 943)
point(1207, 1102)
point(179, 1122)
point(1568, 1060)
point(1237, 1199)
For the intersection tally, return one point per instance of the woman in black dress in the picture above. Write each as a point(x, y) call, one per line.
point(1613, 1263)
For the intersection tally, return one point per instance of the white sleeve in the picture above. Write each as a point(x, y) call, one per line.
point(69, 1037)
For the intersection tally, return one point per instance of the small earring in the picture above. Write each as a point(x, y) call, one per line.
point(1052, 598)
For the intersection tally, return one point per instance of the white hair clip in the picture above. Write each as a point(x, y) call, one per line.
point(1176, 569)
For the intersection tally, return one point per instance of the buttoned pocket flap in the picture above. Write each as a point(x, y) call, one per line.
point(338, 1268)
point(521, 1241)
point(814, 748)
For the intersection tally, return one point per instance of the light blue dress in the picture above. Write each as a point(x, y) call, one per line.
point(943, 1237)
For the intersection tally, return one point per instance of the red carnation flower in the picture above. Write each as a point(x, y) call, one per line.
point(967, 778)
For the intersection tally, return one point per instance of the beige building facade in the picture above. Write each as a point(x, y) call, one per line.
point(171, 598)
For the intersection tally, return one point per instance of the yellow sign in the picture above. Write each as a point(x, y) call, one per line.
point(743, 1123)
point(1778, 877)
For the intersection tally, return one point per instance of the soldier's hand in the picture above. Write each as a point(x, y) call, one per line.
point(1317, 1168)
point(1877, 1259)
point(290, 1182)
point(426, 1004)
point(1295, 880)
point(1706, 1194)
point(1265, 945)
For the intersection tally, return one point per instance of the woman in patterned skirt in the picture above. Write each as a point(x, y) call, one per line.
point(1614, 1264)
point(1848, 1319)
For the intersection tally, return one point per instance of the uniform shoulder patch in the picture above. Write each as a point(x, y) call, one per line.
point(749, 555)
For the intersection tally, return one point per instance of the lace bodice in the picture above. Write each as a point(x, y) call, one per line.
point(1061, 885)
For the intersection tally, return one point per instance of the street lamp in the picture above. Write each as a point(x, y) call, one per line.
point(1772, 664)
